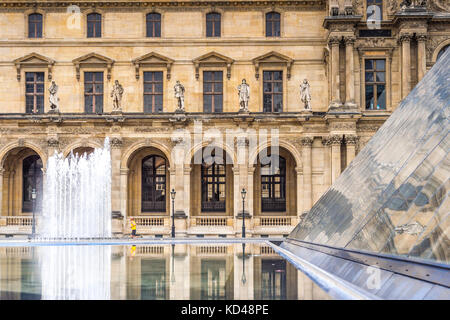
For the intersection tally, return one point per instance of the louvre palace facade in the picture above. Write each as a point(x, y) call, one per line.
point(160, 80)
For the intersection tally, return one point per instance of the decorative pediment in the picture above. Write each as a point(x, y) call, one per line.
point(34, 60)
point(213, 59)
point(93, 60)
point(153, 59)
point(273, 58)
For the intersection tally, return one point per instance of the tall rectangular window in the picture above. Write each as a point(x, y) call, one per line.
point(93, 92)
point(94, 25)
point(273, 91)
point(273, 24)
point(153, 91)
point(375, 9)
point(212, 91)
point(375, 84)
point(213, 25)
point(35, 25)
point(34, 92)
point(153, 22)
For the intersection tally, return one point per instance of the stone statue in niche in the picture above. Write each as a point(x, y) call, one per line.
point(179, 95)
point(116, 94)
point(305, 94)
point(54, 100)
point(244, 95)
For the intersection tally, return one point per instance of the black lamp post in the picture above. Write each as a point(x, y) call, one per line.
point(243, 193)
point(33, 202)
point(172, 195)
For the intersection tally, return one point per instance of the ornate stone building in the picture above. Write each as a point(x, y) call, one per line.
point(360, 58)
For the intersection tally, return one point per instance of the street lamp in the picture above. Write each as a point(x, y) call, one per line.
point(172, 195)
point(33, 202)
point(243, 194)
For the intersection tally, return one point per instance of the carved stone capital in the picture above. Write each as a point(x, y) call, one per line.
point(349, 41)
point(242, 142)
point(351, 139)
point(306, 141)
point(334, 41)
point(116, 143)
point(405, 37)
point(326, 141)
point(421, 38)
point(53, 142)
point(336, 139)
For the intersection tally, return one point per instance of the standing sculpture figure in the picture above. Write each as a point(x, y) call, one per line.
point(54, 100)
point(116, 94)
point(244, 95)
point(179, 94)
point(305, 94)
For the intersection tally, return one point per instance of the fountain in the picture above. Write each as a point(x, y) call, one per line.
point(77, 196)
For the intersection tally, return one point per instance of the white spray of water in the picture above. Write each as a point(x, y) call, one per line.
point(77, 196)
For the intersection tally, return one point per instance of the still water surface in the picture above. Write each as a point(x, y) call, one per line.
point(149, 272)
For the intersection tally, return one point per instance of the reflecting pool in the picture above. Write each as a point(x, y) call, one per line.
point(149, 272)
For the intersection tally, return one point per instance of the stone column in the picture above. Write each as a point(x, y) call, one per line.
point(351, 141)
point(333, 42)
point(124, 195)
point(336, 141)
point(349, 71)
point(300, 188)
point(307, 172)
point(116, 154)
point(421, 57)
point(187, 190)
point(405, 40)
point(250, 189)
point(11, 190)
point(326, 161)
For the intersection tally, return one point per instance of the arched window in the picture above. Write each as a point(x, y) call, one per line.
point(35, 25)
point(213, 177)
point(442, 51)
point(153, 184)
point(273, 24)
point(153, 24)
point(32, 180)
point(94, 25)
point(273, 186)
point(213, 24)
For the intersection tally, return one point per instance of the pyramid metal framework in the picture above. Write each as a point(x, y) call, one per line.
point(393, 199)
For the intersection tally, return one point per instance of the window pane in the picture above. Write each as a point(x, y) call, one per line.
point(369, 97)
point(90, 30)
point(40, 104)
point(29, 76)
point(88, 88)
point(29, 87)
point(218, 87)
point(277, 28)
point(218, 103)
point(148, 103)
point(158, 87)
point(380, 76)
point(158, 76)
point(39, 30)
point(29, 104)
point(147, 76)
point(88, 104)
point(217, 28)
point(278, 103)
point(209, 28)
point(99, 104)
point(88, 76)
point(278, 87)
point(40, 87)
point(207, 76)
point(99, 88)
point(207, 103)
point(218, 76)
point(381, 65)
point(268, 29)
point(39, 76)
point(369, 76)
point(267, 103)
point(158, 103)
point(267, 75)
point(267, 87)
point(381, 97)
point(278, 75)
point(149, 29)
point(368, 64)
point(207, 87)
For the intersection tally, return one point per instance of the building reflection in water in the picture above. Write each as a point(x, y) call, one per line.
point(152, 272)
